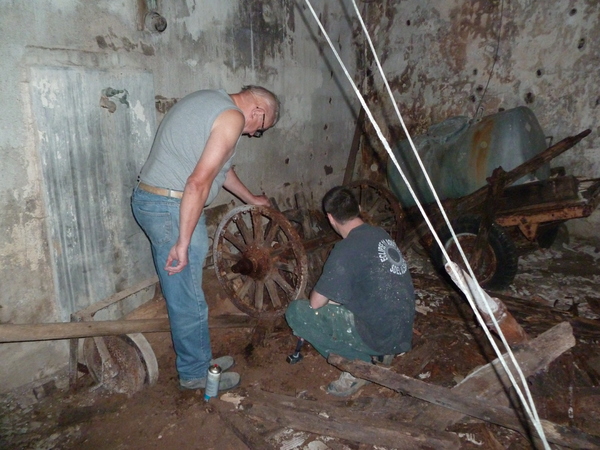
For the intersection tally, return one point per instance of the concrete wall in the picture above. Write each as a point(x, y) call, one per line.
point(207, 44)
point(437, 54)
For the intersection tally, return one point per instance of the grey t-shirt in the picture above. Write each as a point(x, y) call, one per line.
point(180, 141)
point(367, 273)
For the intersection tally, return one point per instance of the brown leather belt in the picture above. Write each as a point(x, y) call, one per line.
point(160, 191)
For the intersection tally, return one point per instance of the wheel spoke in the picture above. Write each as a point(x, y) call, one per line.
point(273, 230)
point(258, 226)
point(275, 251)
point(272, 290)
point(246, 234)
point(286, 266)
point(381, 217)
point(241, 293)
point(230, 276)
point(258, 295)
point(375, 207)
point(283, 284)
point(231, 256)
point(239, 244)
point(362, 201)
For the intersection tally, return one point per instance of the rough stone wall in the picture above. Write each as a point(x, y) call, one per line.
point(206, 44)
point(473, 58)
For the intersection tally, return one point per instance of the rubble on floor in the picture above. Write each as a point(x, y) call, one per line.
point(553, 286)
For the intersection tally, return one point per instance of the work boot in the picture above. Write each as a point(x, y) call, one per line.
point(228, 380)
point(346, 385)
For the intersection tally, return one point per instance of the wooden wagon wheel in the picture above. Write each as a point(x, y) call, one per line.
point(260, 260)
point(379, 207)
point(121, 364)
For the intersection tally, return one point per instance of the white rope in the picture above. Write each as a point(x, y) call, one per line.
point(529, 403)
point(534, 417)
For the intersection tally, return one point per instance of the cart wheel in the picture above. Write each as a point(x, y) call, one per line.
point(260, 260)
point(548, 235)
point(134, 363)
point(499, 261)
point(312, 225)
point(379, 207)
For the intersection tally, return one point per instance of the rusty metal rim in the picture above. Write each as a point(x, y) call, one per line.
point(485, 268)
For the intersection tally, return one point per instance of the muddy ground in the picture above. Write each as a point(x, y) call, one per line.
point(447, 346)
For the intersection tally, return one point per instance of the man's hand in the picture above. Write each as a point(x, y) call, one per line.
point(317, 300)
point(260, 200)
point(178, 255)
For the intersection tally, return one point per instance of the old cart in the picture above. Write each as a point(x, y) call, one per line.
point(498, 221)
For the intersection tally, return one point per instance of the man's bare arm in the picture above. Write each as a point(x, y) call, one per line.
point(224, 135)
point(234, 185)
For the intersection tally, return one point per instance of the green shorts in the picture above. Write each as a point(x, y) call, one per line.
point(329, 329)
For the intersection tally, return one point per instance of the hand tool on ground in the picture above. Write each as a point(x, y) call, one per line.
point(296, 356)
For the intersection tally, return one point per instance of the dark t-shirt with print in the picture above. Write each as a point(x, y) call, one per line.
point(367, 273)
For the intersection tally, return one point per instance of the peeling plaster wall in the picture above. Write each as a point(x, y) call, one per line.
point(438, 56)
point(207, 44)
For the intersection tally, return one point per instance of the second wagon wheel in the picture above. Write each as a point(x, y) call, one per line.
point(379, 207)
point(121, 364)
point(260, 260)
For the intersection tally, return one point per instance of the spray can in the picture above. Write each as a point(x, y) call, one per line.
point(212, 382)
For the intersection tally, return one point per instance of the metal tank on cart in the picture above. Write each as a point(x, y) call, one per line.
point(459, 155)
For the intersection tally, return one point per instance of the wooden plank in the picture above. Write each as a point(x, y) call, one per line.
point(358, 131)
point(117, 297)
point(546, 191)
point(70, 330)
point(458, 401)
point(537, 315)
point(327, 420)
point(242, 427)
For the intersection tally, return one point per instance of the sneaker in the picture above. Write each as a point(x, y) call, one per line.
point(384, 360)
point(224, 362)
point(346, 385)
point(229, 380)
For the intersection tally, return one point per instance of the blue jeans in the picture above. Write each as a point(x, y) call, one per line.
point(158, 216)
point(329, 329)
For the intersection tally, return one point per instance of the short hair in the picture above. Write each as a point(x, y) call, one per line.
point(341, 203)
point(271, 100)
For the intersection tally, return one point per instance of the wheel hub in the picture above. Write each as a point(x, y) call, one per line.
point(255, 262)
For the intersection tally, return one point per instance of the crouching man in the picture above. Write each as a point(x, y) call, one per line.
point(363, 305)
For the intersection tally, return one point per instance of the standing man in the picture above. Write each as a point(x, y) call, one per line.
point(190, 160)
point(363, 305)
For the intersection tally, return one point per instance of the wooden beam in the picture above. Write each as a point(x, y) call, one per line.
point(87, 313)
point(358, 131)
point(71, 330)
point(342, 423)
point(242, 428)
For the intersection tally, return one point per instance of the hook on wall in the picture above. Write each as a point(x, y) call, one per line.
point(155, 22)
point(149, 18)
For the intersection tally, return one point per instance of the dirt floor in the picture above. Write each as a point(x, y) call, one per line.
point(556, 284)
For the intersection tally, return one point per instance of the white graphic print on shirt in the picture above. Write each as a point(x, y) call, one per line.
point(388, 251)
